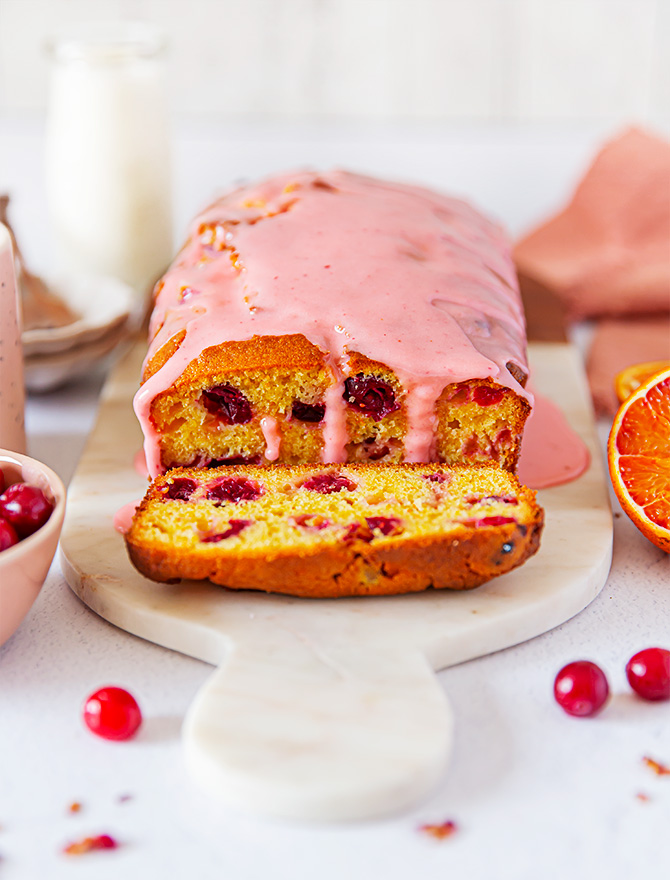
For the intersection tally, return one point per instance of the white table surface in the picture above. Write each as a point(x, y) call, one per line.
point(535, 794)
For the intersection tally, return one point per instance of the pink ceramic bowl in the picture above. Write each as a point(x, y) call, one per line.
point(24, 566)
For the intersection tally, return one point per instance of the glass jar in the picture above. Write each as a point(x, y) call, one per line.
point(108, 153)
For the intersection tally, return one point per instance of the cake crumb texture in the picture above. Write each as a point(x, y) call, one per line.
point(329, 531)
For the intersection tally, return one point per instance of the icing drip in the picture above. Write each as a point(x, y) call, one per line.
point(421, 421)
point(123, 518)
point(408, 277)
point(335, 434)
point(551, 452)
point(270, 429)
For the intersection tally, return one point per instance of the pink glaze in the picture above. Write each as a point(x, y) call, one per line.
point(140, 463)
point(408, 277)
point(270, 429)
point(551, 452)
point(123, 518)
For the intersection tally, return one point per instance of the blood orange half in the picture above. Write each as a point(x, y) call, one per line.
point(638, 454)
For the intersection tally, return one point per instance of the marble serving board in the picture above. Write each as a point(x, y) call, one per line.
point(327, 709)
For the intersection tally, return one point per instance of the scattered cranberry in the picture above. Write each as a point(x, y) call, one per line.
point(370, 396)
point(235, 526)
point(656, 766)
point(2, 481)
point(25, 507)
point(234, 489)
point(180, 489)
point(485, 395)
point(308, 412)
point(440, 830)
point(8, 536)
point(581, 688)
point(387, 525)
point(326, 484)
point(112, 713)
point(648, 673)
point(228, 404)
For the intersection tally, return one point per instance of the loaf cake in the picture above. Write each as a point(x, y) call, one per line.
point(357, 529)
point(336, 318)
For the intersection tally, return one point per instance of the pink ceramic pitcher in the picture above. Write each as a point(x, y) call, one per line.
point(12, 393)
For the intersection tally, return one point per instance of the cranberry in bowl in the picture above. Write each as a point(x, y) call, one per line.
point(29, 533)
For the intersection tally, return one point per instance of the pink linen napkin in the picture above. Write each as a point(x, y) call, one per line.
point(615, 345)
point(607, 254)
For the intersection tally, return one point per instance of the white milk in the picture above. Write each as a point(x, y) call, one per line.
point(108, 156)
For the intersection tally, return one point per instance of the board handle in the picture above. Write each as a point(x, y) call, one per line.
point(290, 728)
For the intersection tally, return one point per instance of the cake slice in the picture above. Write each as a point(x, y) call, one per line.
point(328, 531)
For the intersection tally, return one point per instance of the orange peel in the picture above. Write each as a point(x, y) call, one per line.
point(630, 379)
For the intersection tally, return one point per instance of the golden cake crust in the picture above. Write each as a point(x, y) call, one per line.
point(259, 352)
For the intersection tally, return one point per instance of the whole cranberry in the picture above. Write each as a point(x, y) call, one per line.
point(326, 484)
point(112, 713)
point(648, 673)
point(308, 412)
point(234, 489)
point(228, 404)
point(484, 395)
point(581, 688)
point(26, 507)
point(180, 489)
point(369, 395)
point(8, 536)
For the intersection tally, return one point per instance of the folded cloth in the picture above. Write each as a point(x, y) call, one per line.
point(617, 343)
point(607, 256)
point(608, 251)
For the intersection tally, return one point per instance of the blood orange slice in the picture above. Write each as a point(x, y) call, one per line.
point(638, 454)
point(632, 377)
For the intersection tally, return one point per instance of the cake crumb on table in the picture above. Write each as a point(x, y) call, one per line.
point(441, 830)
point(90, 844)
point(658, 768)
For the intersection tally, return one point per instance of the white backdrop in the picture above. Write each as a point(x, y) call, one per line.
point(445, 60)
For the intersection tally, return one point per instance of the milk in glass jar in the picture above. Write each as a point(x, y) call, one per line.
point(108, 153)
